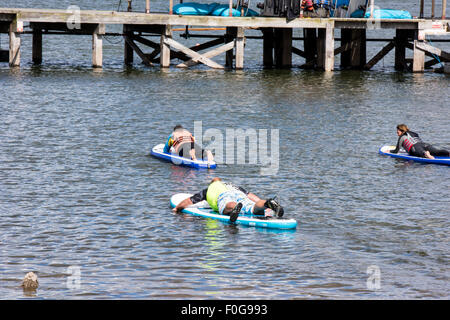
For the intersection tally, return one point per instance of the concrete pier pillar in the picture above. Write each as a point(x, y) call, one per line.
point(165, 48)
point(97, 46)
point(15, 28)
point(419, 55)
point(239, 47)
point(325, 48)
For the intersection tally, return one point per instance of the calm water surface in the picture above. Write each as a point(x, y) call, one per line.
point(78, 189)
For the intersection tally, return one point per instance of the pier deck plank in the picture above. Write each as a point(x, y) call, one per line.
point(137, 18)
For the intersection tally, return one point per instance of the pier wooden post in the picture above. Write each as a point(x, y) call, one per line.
point(268, 41)
point(165, 48)
point(421, 8)
point(230, 35)
point(447, 67)
point(355, 56)
point(444, 8)
point(128, 50)
point(401, 40)
point(239, 47)
point(37, 46)
point(433, 5)
point(419, 55)
point(15, 28)
point(325, 50)
point(283, 47)
point(310, 46)
point(97, 46)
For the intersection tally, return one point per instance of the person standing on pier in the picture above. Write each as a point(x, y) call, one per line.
point(182, 143)
point(411, 142)
point(307, 8)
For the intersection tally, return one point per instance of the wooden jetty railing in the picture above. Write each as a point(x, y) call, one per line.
point(277, 34)
point(433, 6)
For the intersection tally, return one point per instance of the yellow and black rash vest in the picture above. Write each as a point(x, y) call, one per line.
point(213, 193)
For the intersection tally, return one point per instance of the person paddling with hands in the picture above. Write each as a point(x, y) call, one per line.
point(182, 143)
point(413, 144)
point(227, 199)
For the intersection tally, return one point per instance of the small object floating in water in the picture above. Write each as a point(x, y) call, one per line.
point(30, 282)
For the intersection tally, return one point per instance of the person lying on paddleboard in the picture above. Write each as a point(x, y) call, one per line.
point(181, 142)
point(228, 199)
point(411, 142)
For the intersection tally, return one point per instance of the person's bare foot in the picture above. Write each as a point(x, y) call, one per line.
point(428, 155)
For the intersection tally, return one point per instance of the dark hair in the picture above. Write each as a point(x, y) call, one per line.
point(178, 126)
point(402, 127)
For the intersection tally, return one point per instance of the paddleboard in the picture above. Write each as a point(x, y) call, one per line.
point(203, 209)
point(158, 152)
point(403, 155)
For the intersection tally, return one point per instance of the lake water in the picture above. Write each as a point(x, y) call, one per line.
point(86, 208)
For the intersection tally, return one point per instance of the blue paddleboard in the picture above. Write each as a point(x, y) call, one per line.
point(158, 152)
point(403, 155)
point(203, 209)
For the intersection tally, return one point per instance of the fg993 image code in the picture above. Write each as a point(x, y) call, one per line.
point(225, 310)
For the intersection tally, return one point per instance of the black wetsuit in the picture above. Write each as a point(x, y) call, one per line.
point(185, 148)
point(411, 142)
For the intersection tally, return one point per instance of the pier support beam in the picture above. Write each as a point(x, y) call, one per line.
point(401, 41)
point(15, 28)
point(165, 47)
point(354, 40)
point(37, 46)
point(128, 53)
point(4, 54)
point(283, 47)
point(268, 40)
point(325, 48)
point(97, 46)
point(310, 47)
point(447, 67)
point(239, 47)
point(277, 47)
point(419, 55)
point(230, 35)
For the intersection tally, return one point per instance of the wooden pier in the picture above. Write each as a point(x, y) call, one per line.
point(319, 49)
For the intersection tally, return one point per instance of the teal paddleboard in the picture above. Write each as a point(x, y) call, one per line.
point(202, 209)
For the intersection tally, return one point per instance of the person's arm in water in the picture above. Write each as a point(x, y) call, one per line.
point(183, 204)
point(196, 198)
point(399, 143)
